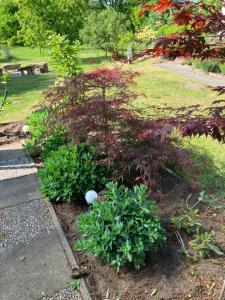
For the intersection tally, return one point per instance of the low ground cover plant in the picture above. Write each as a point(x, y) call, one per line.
point(71, 171)
point(42, 139)
point(201, 244)
point(122, 228)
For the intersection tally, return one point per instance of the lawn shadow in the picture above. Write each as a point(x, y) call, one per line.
point(210, 176)
point(20, 85)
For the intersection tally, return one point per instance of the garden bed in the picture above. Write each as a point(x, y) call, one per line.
point(11, 132)
point(167, 274)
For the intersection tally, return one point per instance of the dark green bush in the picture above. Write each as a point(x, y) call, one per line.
point(42, 140)
point(122, 228)
point(71, 171)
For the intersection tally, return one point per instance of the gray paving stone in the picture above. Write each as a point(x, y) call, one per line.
point(18, 190)
point(33, 262)
point(33, 271)
point(17, 167)
point(11, 151)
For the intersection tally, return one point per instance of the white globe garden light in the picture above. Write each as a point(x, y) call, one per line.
point(25, 129)
point(91, 196)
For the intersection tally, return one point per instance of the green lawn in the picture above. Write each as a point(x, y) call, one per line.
point(159, 86)
point(26, 92)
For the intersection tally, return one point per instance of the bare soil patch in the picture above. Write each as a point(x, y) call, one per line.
point(171, 275)
point(11, 132)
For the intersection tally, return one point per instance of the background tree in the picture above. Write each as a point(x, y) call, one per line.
point(9, 24)
point(104, 29)
point(65, 54)
point(39, 18)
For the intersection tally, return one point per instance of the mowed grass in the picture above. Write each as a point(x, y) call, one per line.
point(159, 86)
point(26, 92)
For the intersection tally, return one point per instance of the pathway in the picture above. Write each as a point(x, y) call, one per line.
point(210, 79)
point(33, 263)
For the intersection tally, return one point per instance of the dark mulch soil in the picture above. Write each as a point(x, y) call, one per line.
point(11, 132)
point(172, 274)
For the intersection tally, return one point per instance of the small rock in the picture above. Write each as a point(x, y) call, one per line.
point(22, 258)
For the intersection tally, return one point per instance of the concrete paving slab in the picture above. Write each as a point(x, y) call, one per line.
point(33, 259)
point(16, 167)
point(12, 151)
point(19, 190)
point(32, 272)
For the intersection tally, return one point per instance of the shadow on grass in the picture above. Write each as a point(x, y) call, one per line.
point(211, 177)
point(13, 60)
point(20, 85)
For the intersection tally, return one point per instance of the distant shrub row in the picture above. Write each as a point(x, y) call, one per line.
point(213, 66)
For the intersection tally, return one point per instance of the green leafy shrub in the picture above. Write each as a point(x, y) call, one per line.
point(122, 228)
point(42, 140)
point(37, 129)
point(65, 54)
point(204, 246)
point(56, 139)
point(71, 171)
point(187, 220)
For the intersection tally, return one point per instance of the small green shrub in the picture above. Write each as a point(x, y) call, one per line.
point(207, 65)
point(187, 220)
point(75, 285)
point(56, 139)
point(121, 229)
point(71, 171)
point(204, 246)
point(186, 62)
point(37, 124)
point(222, 68)
point(42, 140)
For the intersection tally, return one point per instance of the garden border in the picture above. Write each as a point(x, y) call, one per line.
point(64, 242)
point(67, 248)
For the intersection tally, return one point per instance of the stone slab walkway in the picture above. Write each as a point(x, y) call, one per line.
point(33, 263)
point(210, 79)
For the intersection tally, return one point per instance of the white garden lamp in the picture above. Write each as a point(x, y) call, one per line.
point(90, 197)
point(25, 129)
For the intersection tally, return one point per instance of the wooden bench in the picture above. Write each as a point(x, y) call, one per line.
point(11, 67)
point(29, 69)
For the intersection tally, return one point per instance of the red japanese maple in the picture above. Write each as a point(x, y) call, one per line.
point(203, 37)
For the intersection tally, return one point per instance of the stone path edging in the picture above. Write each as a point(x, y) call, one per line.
point(69, 252)
point(209, 79)
point(30, 245)
point(66, 245)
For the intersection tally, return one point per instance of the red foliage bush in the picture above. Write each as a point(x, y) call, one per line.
point(96, 108)
point(203, 36)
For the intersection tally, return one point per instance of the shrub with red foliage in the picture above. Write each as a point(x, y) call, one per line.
point(96, 108)
point(202, 38)
point(204, 33)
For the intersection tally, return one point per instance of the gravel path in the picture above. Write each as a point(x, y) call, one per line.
point(33, 263)
point(210, 79)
